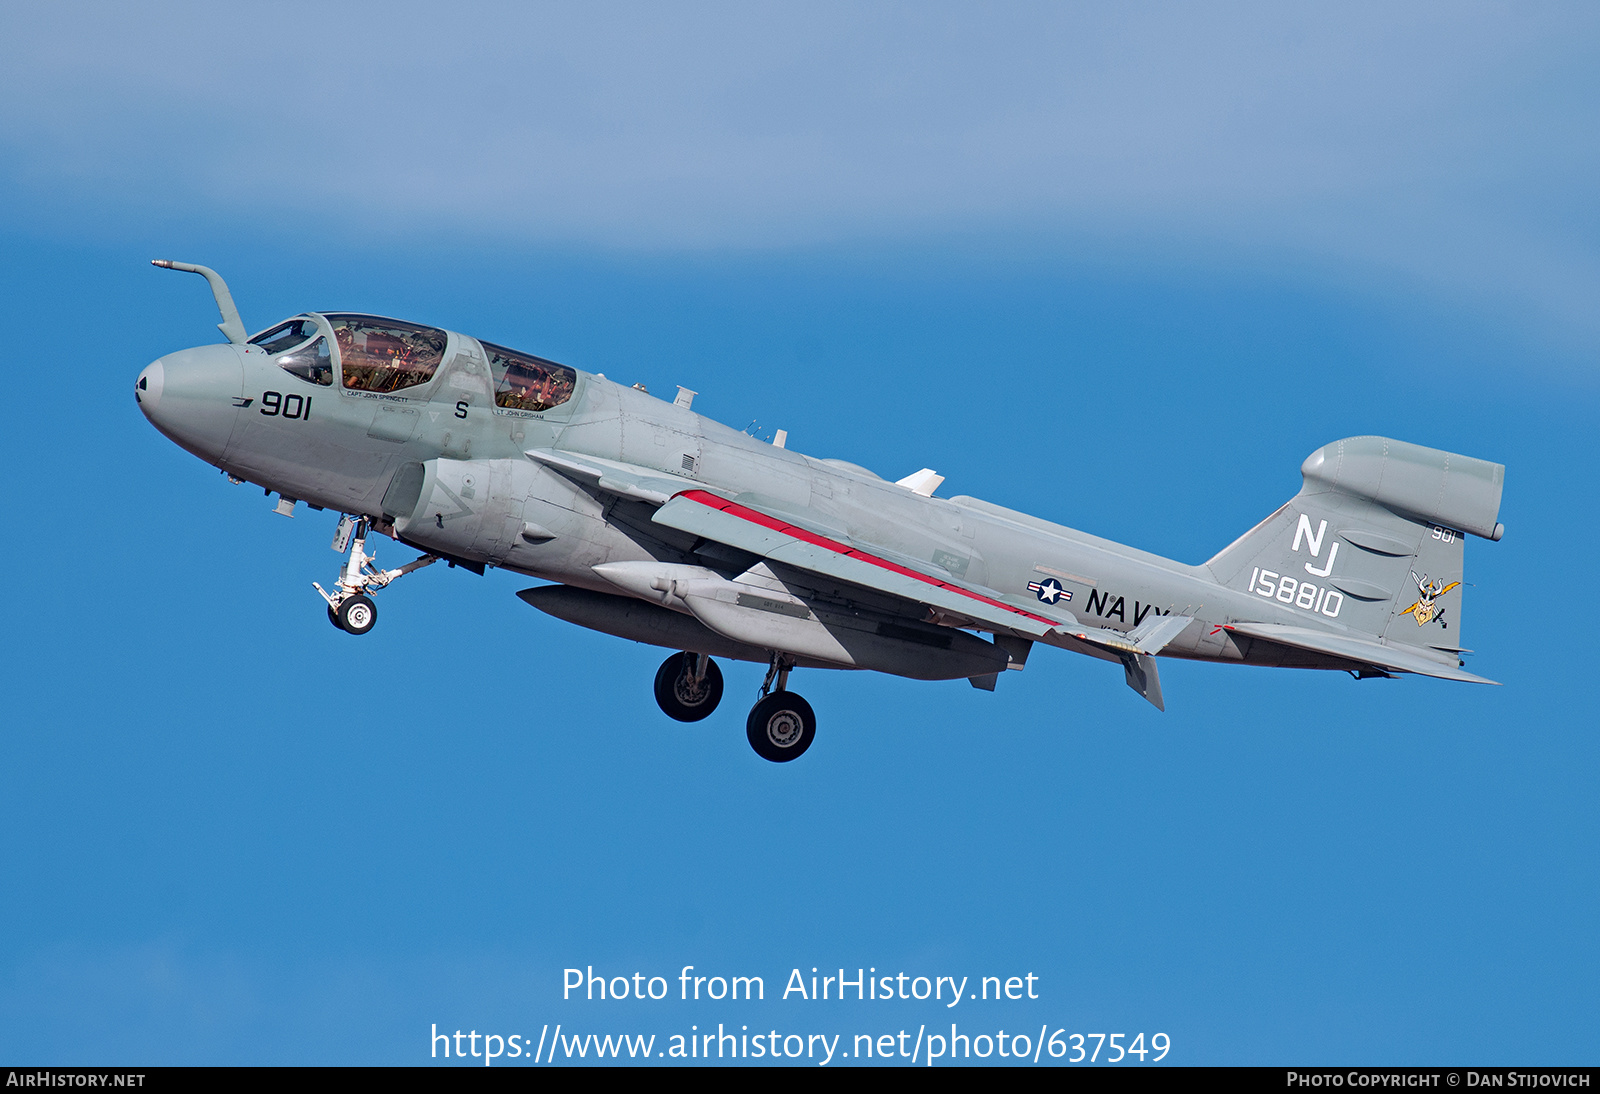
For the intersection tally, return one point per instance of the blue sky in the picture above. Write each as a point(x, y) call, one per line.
point(1123, 271)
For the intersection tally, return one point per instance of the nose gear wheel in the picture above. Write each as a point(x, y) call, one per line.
point(358, 614)
point(349, 607)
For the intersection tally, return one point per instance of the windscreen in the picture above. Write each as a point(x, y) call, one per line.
point(284, 335)
point(287, 343)
point(312, 363)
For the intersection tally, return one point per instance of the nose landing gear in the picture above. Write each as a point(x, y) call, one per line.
point(349, 607)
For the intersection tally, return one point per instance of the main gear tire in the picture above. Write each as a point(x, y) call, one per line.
point(781, 727)
point(358, 614)
point(680, 696)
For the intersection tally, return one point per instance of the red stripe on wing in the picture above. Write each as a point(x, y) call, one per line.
point(755, 517)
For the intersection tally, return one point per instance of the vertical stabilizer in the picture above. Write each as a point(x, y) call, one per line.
point(1373, 541)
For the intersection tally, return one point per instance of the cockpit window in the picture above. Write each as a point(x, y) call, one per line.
point(385, 354)
point(312, 362)
point(526, 382)
point(284, 335)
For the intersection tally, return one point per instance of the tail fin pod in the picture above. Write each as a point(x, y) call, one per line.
point(1373, 539)
point(1425, 484)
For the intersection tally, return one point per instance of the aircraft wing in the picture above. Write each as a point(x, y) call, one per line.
point(1363, 650)
point(775, 537)
point(613, 476)
point(698, 511)
point(702, 513)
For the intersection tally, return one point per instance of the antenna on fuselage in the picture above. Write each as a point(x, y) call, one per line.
point(232, 327)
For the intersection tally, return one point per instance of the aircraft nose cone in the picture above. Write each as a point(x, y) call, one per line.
point(147, 389)
point(191, 396)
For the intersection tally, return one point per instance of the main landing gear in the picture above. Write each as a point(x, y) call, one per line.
point(688, 686)
point(349, 607)
point(781, 725)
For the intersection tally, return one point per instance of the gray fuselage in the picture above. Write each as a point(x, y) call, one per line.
point(345, 450)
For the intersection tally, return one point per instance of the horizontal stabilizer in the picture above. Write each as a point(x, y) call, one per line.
point(1361, 650)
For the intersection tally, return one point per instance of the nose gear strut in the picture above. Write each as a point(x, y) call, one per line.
point(349, 606)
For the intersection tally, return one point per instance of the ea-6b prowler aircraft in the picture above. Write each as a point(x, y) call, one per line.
point(662, 526)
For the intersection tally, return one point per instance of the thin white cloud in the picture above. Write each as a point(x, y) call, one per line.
point(1452, 144)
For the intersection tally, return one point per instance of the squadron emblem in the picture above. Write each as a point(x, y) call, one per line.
point(1423, 610)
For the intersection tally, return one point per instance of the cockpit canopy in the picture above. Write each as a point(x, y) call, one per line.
point(526, 382)
point(388, 355)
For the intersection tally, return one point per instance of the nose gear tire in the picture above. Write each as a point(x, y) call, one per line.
point(333, 617)
point(781, 727)
point(677, 693)
point(358, 614)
